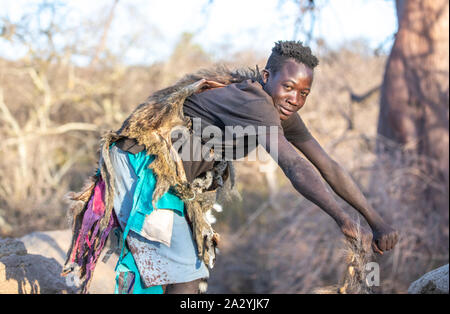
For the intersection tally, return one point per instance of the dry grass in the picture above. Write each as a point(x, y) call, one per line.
point(353, 280)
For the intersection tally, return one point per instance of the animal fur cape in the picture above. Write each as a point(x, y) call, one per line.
point(151, 124)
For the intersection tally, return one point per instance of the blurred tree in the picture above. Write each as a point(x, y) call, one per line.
point(51, 112)
point(102, 42)
point(308, 8)
point(186, 57)
point(414, 108)
point(306, 18)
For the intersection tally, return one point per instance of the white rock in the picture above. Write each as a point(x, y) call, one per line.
point(433, 282)
point(54, 244)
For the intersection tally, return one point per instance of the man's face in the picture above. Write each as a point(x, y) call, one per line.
point(289, 87)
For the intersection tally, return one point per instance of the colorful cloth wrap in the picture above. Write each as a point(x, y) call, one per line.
point(128, 279)
point(91, 240)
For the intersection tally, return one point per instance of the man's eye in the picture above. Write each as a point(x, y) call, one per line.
point(304, 94)
point(287, 87)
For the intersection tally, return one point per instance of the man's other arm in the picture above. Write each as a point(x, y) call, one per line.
point(342, 183)
point(309, 183)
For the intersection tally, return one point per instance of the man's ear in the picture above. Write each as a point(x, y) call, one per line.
point(265, 75)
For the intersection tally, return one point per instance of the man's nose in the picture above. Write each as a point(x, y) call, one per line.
point(292, 100)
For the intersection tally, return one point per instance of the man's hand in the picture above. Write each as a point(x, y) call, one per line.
point(357, 234)
point(205, 85)
point(384, 238)
point(381, 239)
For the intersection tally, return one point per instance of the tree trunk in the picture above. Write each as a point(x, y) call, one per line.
point(414, 108)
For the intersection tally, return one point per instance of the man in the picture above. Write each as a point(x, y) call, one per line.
point(287, 79)
point(169, 249)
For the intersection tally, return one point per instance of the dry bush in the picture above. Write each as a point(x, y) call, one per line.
point(51, 120)
point(52, 112)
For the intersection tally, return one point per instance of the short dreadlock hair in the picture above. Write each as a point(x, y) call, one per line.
point(284, 50)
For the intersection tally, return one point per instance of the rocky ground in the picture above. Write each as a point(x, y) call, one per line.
point(32, 265)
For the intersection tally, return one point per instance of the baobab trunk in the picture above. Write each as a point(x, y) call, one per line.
point(414, 108)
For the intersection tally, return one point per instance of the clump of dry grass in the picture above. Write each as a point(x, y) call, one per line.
point(353, 280)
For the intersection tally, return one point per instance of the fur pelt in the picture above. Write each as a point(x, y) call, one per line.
point(151, 124)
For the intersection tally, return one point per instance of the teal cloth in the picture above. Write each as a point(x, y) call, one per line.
point(142, 199)
point(142, 206)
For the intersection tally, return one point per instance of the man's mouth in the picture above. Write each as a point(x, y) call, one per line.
point(285, 111)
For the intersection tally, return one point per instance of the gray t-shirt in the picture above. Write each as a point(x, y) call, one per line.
point(241, 105)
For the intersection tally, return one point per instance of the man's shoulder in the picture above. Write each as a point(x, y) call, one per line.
point(243, 103)
point(253, 90)
point(240, 93)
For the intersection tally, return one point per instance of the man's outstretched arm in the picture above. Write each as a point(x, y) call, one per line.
point(341, 182)
point(309, 183)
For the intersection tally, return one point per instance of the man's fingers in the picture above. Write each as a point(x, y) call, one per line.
point(376, 249)
point(385, 240)
point(382, 243)
point(213, 84)
point(394, 240)
point(386, 243)
point(391, 242)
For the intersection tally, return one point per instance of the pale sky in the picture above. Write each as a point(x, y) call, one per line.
point(225, 26)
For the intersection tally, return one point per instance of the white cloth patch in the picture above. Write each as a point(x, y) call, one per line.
point(158, 226)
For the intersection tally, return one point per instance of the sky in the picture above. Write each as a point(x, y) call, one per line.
point(145, 31)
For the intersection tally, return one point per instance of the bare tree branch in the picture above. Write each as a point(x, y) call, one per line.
point(68, 127)
point(102, 43)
